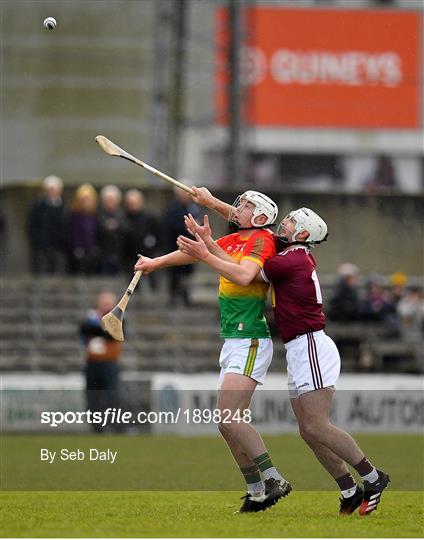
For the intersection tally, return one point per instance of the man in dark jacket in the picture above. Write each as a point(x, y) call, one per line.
point(345, 304)
point(110, 230)
point(180, 206)
point(142, 232)
point(102, 354)
point(45, 228)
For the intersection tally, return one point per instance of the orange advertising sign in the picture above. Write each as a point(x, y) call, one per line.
point(325, 68)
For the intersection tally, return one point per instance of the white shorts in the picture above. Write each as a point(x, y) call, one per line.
point(246, 356)
point(313, 362)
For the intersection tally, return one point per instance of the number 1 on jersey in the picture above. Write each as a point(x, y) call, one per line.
point(317, 287)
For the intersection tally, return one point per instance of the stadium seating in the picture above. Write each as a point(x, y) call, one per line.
point(40, 319)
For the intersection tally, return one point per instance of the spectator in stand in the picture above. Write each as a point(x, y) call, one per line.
point(102, 354)
point(383, 177)
point(110, 230)
point(411, 312)
point(376, 305)
point(179, 276)
point(397, 290)
point(395, 293)
point(345, 303)
point(142, 232)
point(82, 231)
point(46, 228)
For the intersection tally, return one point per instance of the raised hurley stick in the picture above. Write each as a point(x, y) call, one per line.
point(112, 149)
point(112, 321)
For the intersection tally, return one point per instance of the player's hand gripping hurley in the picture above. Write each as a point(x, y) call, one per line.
point(112, 149)
point(112, 321)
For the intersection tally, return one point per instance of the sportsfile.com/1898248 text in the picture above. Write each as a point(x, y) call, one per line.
point(118, 416)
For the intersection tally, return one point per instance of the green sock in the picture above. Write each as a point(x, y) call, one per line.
point(263, 462)
point(266, 467)
point(251, 474)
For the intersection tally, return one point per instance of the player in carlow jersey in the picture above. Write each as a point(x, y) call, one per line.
point(313, 361)
point(247, 350)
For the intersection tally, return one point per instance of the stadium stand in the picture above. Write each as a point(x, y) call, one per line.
point(39, 329)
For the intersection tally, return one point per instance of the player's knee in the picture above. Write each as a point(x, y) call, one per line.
point(310, 430)
point(223, 428)
point(306, 434)
point(227, 428)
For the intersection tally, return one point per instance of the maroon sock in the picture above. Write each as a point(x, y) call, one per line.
point(346, 482)
point(364, 467)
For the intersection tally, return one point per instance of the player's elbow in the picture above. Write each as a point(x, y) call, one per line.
point(246, 273)
point(244, 279)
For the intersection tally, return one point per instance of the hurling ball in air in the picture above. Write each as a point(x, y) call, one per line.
point(50, 23)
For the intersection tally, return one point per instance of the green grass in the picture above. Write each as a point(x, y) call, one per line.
point(155, 490)
point(147, 463)
point(201, 514)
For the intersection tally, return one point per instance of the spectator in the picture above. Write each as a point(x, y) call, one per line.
point(411, 312)
point(142, 233)
point(174, 222)
point(397, 281)
point(82, 231)
point(45, 228)
point(102, 354)
point(383, 176)
point(345, 304)
point(110, 230)
point(376, 305)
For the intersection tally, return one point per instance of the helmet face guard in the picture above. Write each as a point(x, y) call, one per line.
point(263, 205)
point(303, 219)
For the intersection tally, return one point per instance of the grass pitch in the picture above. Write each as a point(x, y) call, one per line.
point(202, 514)
point(166, 511)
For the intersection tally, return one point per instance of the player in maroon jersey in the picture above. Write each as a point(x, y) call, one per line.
point(313, 361)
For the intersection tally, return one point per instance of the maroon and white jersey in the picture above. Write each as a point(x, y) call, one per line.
point(296, 294)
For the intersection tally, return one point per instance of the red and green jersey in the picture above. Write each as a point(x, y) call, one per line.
point(242, 308)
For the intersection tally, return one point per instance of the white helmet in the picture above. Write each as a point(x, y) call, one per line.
point(263, 206)
point(305, 219)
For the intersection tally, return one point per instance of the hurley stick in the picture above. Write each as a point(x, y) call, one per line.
point(112, 321)
point(112, 149)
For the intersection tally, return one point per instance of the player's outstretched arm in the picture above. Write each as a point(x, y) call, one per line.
point(205, 233)
point(204, 197)
point(241, 274)
point(175, 258)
